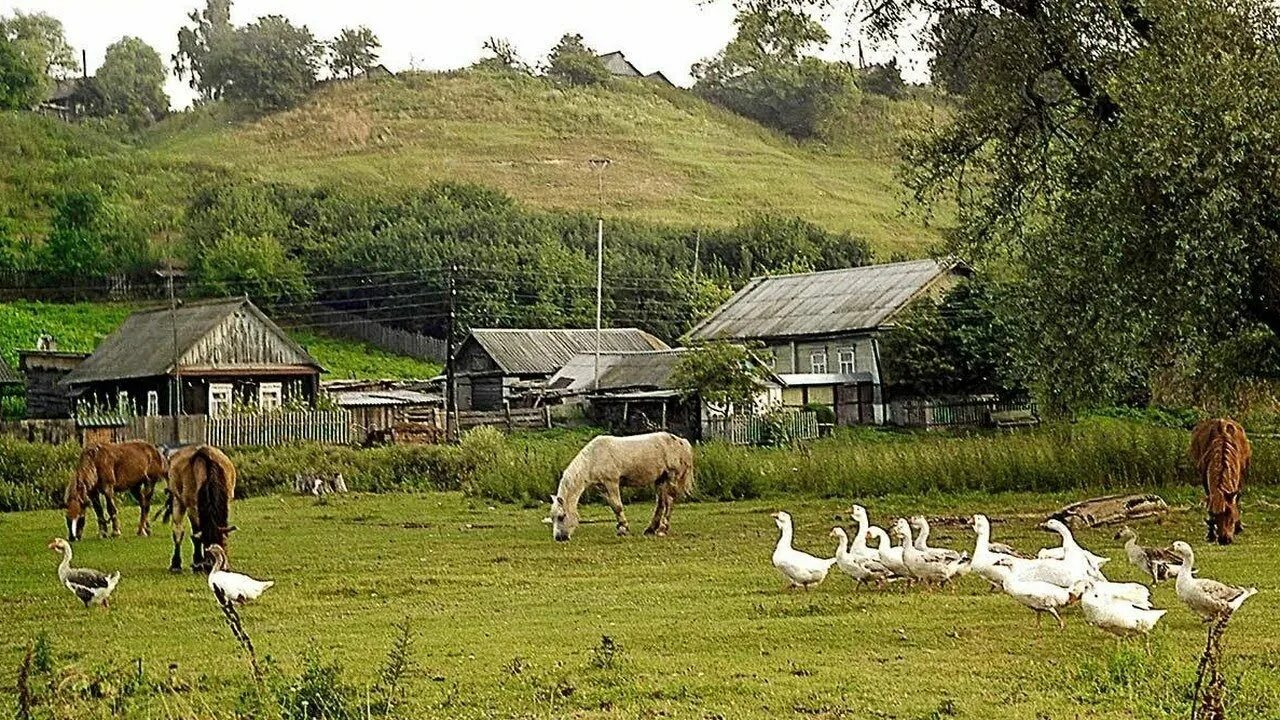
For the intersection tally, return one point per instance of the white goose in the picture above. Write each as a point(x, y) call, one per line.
point(799, 568)
point(890, 556)
point(231, 587)
point(1117, 616)
point(985, 555)
point(1070, 548)
point(1209, 599)
point(859, 546)
point(93, 587)
point(931, 567)
point(921, 525)
point(861, 568)
point(1040, 596)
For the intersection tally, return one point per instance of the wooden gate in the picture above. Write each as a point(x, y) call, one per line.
point(856, 404)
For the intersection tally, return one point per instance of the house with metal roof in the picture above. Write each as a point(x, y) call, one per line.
point(495, 365)
point(821, 330)
point(223, 352)
point(619, 66)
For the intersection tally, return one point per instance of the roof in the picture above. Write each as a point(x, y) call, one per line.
point(659, 76)
point(544, 351)
point(383, 398)
point(818, 303)
point(7, 375)
point(143, 346)
point(618, 370)
point(619, 65)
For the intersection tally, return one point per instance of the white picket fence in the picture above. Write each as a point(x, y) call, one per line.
point(330, 426)
point(755, 430)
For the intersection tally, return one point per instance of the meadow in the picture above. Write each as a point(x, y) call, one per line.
point(507, 623)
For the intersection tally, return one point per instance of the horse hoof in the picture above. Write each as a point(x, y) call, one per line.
point(662, 533)
point(623, 532)
point(176, 569)
point(650, 531)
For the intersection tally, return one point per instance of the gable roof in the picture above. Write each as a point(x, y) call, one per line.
point(619, 65)
point(819, 303)
point(544, 351)
point(7, 374)
point(618, 371)
point(659, 76)
point(143, 345)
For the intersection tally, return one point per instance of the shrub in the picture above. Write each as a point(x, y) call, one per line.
point(825, 414)
point(33, 476)
point(803, 99)
point(571, 61)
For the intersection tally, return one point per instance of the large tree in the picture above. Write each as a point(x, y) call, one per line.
point(203, 48)
point(1121, 156)
point(40, 39)
point(353, 51)
point(20, 81)
point(131, 81)
point(272, 64)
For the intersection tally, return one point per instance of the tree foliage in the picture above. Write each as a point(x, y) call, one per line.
point(720, 374)
point(131, 82)
point(502, 56)
point(572, 62)
point(272, 64)
point(203, 48)
point(884, 79)
point(766, 74)
point(20, 82)
point(352, 52)
point(39, 38)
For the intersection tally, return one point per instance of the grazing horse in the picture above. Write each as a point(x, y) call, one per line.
point(1221, 453)
point(659, 459)
point(202, 482)
point(135, 466)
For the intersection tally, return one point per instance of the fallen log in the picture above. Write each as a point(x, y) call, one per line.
point(1111, 510)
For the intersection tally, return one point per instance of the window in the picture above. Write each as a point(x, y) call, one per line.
point(818, 361)
point(848, 363)
point(122, 402)
point(219, 399)
point(153, 403)
point(270, 396)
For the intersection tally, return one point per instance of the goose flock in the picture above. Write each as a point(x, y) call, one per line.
point(1056, 578)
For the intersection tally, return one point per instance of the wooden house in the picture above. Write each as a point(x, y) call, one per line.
point(496, 366)
point(821, 330)
point(225, 353)
point(44, 370)
point(620, 67)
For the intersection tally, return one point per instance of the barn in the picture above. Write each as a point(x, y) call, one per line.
point(228, 354)
point(497, 366)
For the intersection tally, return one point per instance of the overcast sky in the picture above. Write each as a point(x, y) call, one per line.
point(666, 35)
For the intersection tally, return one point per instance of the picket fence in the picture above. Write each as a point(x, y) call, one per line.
point(954, 414)
point(332, 427)
point(392, 339)
point(756, 430)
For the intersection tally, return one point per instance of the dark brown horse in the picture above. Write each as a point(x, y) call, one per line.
point(135, 466)
point(202, 483)
point(1221, 453)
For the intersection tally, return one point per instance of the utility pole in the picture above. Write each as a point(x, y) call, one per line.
point(599, 164)
point(175, 387)
point(450, 381)
point(697, 253)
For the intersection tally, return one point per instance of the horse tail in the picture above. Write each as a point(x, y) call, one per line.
point(168, 504)
point(1224, 464)
point(213, 496)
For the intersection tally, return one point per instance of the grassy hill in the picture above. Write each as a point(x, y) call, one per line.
point(676, 159)
point(79, 327)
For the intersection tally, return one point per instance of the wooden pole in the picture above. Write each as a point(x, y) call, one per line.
point(450, 401)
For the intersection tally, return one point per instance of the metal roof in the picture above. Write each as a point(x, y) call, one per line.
point(143, 345)
point(7, 375)
point(618, 370)
point(818, 303)
point(810, 379)
point(383, 398)
point(544, 351)
point(619, 65)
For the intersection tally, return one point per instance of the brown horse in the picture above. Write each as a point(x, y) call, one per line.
point(135, 466)
point(659, 459)
point(202, 483)
point(1221, 453)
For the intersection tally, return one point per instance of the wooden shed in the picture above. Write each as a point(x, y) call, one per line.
point(44, 370)
point(227, 353)
point(497, 366)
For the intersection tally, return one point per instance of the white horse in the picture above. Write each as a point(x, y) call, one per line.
point(659, 459)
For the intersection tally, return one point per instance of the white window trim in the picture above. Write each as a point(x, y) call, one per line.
point(852, 355)
point(122, 401)
point(814, 364)
point(217, 407)
point(273, 391)
point(153, 403)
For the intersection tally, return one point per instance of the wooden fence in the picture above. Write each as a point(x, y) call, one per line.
point(758, 430)
point(509, 419)
point(391, 339)
point(950, 414)
point(331, 427)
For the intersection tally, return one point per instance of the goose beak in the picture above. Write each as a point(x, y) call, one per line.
point(773, 515)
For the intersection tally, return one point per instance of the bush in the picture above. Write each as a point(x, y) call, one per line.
point(34, 476)
point(826, 416)
point(803, 99)
point(571, 61)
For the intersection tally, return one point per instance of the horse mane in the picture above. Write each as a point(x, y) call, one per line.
point(1223, 454)
point(213, 495)
point(577, 473)
point(84, 477)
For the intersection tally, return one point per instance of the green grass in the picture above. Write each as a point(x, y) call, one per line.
point(509, 624)
point(79, 327)
point(676, 159)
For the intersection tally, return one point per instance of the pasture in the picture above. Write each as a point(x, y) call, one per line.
point(507, 623)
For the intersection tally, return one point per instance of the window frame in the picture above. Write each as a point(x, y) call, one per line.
point(273, 390)
point(813, 361)
point(153, 403)
point(218, 389)
point(852, 353)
